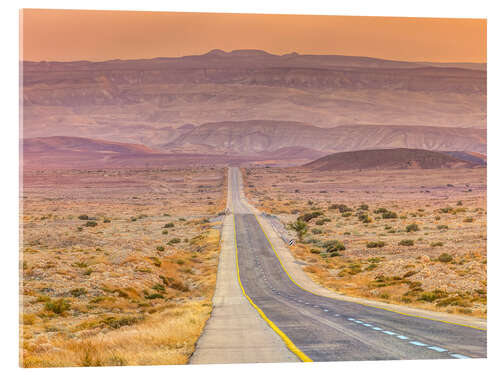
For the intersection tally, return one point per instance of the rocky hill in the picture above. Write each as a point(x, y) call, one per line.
point(401, 158)
point(249, 137)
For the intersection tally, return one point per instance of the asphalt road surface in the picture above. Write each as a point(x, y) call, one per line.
point(326, 329)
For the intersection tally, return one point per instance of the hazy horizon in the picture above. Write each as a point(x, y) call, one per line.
point(75, 35)
point(261, 50)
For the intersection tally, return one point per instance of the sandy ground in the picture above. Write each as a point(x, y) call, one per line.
point(118, 266)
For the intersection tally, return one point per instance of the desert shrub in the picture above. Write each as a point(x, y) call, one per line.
point(58, 306)
point(445, 258)
point(363, 217)
point(346, 214)
point(380, 210)
point(83, 217)
point(468, 220)
point(80, 264)
point(341, 207)
point(158, 287)
point(363, 207)
point(106, 221)
point(316, 231)
point(315, 251)
point(174, 241)
point(175, 284)
point(389, 215)
point(371, 267)
point(154, 296)
point(459, 203)
point(168, 225)
point(384, 296)
point(133, 219)
point(409, 274)
point(91, 223)
point(156, 261)
point(446, 210)
point(438, 243)
point(180, 261)
point(160, 248)
point(333, 246)
point(309, 216)
point(454, 301)
point(300, 227)
point(406, 242)
point(77, 292)
point(165, 232)
point(373, 244)
point(116, 323)
point(432, 296)
point(182, 219)
point(412, 227)
point(442, 227)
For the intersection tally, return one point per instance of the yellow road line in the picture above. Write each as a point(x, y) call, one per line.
point(289, 343)
point(359, 303)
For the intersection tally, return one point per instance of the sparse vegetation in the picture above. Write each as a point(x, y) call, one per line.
point(445, 258)
point(407, 242)
point(412, 228)
point(373, 244)
point(408, 264)
point(58, 306)
point(300, 227)
point(100, 314)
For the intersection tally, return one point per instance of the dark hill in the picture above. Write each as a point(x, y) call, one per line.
point(399, 158)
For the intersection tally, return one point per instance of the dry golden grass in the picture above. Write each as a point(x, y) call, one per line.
point(166, 337)
point(448, 207)
point(122, 292)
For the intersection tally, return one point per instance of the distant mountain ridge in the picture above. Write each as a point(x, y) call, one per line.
point(247, 137)
point(148, 101)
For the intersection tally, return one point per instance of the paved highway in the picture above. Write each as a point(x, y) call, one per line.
point(326, 329)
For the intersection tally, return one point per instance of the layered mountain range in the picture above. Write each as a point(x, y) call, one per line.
point(150, 101)
point(249, 105)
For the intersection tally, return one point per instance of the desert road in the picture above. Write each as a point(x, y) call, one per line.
point(327, 329)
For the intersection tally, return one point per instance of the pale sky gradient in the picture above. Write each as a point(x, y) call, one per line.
point(64, 35)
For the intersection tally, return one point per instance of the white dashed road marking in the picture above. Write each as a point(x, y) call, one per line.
point(437, 349)
point(459, 356)
point(417, 343)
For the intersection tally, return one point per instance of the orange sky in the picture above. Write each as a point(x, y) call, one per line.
point(62, 35)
